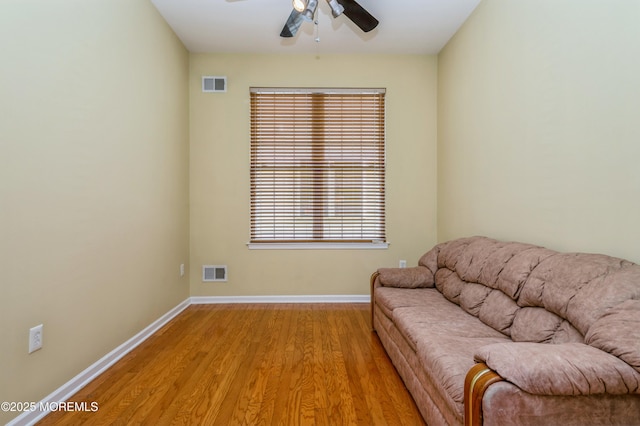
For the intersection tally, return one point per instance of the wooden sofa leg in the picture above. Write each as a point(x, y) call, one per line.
point(477, 381)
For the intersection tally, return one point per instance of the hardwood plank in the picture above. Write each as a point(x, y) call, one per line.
point(271, 372)
point(342, 405)
point(258, 364)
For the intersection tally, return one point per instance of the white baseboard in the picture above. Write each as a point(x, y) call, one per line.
point(70, 388)
point(353, 298)
point(67, 390)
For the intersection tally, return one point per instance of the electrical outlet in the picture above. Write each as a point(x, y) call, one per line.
point(35, 338)
point(182, 269)
point(403, 264)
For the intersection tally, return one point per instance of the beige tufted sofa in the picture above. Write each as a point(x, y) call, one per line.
point(503, 333)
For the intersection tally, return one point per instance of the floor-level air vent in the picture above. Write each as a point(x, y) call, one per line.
point(214, 273)
point(213, 84)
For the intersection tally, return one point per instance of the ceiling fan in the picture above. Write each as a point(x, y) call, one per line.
point(304, 10)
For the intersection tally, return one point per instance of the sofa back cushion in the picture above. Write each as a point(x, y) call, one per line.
point(581, 287)
point(618, 332)
point(528, 292)
point(541, 326)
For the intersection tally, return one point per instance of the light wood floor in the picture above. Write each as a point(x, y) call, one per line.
point(263, 364)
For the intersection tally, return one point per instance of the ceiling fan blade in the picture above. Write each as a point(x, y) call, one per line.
point(359, 15)
point(293, 23)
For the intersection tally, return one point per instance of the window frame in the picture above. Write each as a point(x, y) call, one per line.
point(380, 165)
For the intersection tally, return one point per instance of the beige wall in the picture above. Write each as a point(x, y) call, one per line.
point(93, 183)
point(538, 129)
point(220, 172)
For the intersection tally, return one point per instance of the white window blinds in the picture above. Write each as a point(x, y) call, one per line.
point(317, 165)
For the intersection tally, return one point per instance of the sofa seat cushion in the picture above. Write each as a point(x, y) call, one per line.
point(418, 323)
point(445, 338)
point(447, 357)
point(391, 298)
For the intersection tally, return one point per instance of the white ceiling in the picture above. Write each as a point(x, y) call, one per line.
point(253, 26)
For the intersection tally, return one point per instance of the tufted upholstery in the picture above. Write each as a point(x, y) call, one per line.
point(533, 294)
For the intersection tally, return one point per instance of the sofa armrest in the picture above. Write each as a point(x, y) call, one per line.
point(563, 369)
point(374, 282)
point(477, 381)
point(415, 277)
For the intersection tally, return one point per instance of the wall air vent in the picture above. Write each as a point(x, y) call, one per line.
point(211, 273)
point(213, 84)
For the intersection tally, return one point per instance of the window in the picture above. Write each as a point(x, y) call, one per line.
point(317, 166)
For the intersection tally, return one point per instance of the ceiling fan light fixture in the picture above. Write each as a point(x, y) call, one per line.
point(300, 5)
point(336, 8)
point(308, 13)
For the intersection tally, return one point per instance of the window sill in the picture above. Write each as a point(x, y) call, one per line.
point(318, 246)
